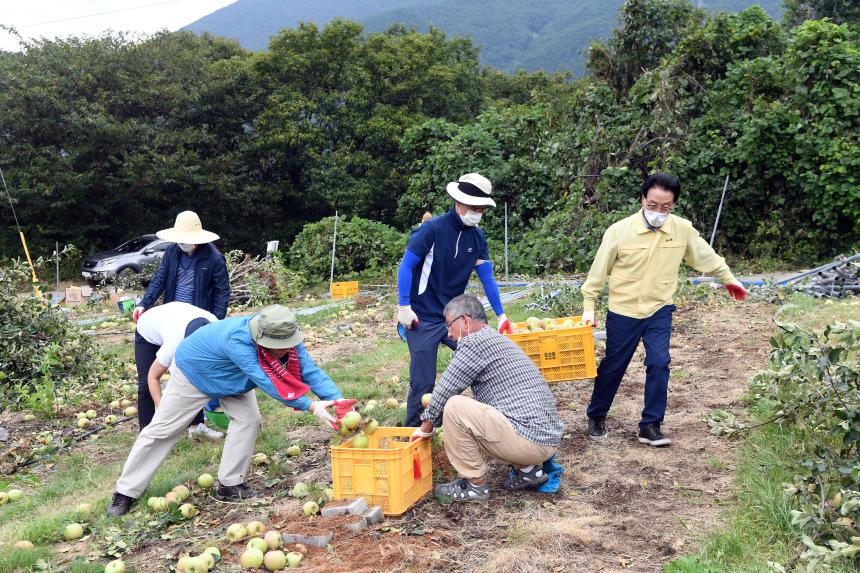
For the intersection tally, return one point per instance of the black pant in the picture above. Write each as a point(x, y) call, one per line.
point(144, 356)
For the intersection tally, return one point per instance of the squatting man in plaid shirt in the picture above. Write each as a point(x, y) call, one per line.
point(512, 417)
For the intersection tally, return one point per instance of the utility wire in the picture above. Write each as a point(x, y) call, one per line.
point(9, 197)
point(99, 14)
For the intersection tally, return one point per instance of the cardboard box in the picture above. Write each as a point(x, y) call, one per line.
point(74, 296)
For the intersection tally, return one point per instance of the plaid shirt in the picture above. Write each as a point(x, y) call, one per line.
point(501, 376)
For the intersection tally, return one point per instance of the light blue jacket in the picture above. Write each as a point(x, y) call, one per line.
point(220, 359)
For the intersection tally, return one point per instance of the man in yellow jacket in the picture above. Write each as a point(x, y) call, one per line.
point(641, 255)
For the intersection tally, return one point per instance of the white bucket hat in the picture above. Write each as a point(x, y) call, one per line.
point(472, 189)
point(187, 229)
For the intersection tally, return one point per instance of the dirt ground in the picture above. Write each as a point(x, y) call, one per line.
point(622, 506)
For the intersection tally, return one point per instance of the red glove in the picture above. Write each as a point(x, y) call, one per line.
point(736, 290)
point(343, 406)
point(505, 325)
point(138, 310)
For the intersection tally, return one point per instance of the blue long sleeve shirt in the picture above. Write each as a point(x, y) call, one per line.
point(220, 359)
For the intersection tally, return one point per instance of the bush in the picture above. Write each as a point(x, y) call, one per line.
point(41, 351)
point(813, 384)
point(362, 245)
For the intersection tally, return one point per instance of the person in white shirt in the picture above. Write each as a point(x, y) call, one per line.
point(159, 332)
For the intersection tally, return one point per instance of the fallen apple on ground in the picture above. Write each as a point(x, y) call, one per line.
point(274, 539)
point(206, 481)
point(275, 560)
point(182, 492)
point(187, 510)
point(293, 451)
point(251, 559)
point(258, 543)
point(256, 528)
point(73, 531)
point(116, 566)
point(15, 494)
point(23, 545)
point(236, 532)
point(311, 508)
point(294, 558)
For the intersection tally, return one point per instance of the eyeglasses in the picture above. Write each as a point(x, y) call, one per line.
point(665, 208)
point(451, 322)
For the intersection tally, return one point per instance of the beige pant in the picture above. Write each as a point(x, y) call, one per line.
point(179, 404)
point(473, 428)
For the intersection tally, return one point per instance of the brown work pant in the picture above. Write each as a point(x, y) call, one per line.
point(179, 404)
point(473, 429)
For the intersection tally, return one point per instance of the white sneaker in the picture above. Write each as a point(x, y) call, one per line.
point(202, 431)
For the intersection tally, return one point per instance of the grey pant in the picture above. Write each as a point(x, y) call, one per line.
point(179, 404)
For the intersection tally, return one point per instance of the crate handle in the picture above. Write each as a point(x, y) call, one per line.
point(416, 466)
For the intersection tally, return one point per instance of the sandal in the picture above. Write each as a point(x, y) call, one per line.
point(519, 479)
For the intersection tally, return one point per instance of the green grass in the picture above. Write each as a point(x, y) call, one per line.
point(759, 528)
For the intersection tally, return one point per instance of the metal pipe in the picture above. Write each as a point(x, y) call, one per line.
point(506, 240)
point(333, 247)
point(719, 211)
point(820, 269)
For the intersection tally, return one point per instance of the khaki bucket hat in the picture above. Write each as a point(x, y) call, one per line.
point(187, 229)
point(276, 327)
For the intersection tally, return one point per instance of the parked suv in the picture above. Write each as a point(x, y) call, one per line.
point(129, 257)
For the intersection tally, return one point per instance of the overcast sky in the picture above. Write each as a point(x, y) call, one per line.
point(52, 18)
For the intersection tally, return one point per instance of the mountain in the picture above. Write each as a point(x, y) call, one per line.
point(551, 35)
point(253, 22)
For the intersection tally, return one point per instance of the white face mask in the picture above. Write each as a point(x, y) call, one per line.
point(655, 218)
point(471, 218)
point(186, 247)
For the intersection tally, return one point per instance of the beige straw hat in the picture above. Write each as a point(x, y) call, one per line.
point(187, 229)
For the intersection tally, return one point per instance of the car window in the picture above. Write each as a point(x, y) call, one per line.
point(134, 245)
point(160, 246)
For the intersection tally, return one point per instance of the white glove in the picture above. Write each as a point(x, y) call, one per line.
point(406, 316)
point(588, 317)
point(138, 310)
point(420, 434)
point(320, 410)
point(504, 325)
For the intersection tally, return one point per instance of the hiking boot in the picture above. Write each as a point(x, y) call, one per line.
point(597, 428)
point(650, 434)
point(203, 431)
point(234, 492)
point(119, 505)
point(525, 478)
point(461, 490)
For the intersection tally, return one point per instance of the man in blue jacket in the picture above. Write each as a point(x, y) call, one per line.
point(192, 270)
point(436, 267)
point(229, 360)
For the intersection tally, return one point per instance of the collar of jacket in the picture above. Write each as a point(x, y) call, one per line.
point(455, 220)
point(642, 224)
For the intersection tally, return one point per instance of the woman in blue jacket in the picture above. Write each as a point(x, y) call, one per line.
point(229, 360)
point(192, 270)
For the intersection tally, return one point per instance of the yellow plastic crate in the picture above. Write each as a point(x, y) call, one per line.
point(391, 472)
point(563, 354)
point(344, 289)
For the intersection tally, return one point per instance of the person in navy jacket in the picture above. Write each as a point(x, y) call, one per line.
point(193, 270)
point(440, 257)
point(229, 360)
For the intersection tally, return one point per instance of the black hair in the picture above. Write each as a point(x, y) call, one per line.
point(663, 181)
